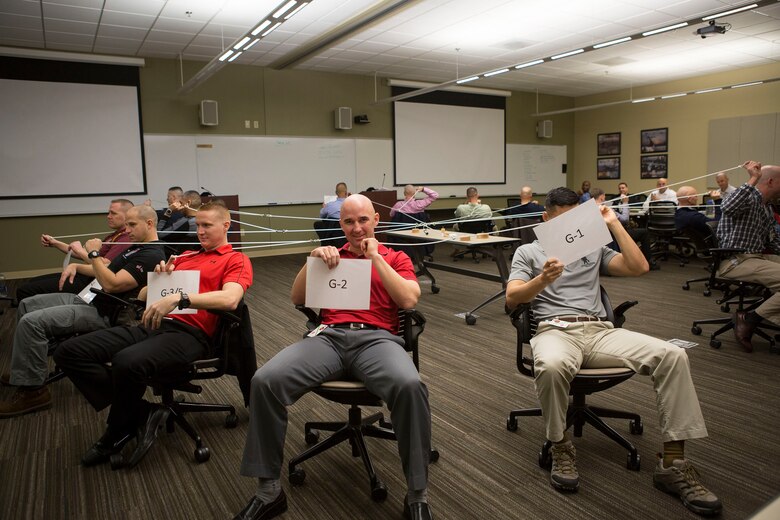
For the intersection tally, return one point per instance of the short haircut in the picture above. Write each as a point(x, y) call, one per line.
point(561, 197)
point(126, 204)
point(341, 187)
point(596, 192)
point(622, 184)
point(145, 212)
point(217, 205)
point(193, 199)
point(176, 188)
point(471, 192)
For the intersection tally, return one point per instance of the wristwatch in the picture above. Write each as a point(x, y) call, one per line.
point(93, 254)
point(184, 301)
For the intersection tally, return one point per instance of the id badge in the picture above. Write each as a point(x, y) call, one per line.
point(316, 331)
point(555, 322)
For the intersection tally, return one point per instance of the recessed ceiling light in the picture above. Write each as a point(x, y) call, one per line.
point(613, 42)
point(566, 54)
point(664, 29)
point(726, 13)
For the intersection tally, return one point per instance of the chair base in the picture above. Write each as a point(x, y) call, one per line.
point(577, 415)
point(728, 324)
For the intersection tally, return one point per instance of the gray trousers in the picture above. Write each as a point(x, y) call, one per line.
point(40, 320)
point(376, 358)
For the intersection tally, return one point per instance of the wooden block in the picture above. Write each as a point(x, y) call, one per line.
point(415, 231)
point(483, 235)
point(465, 238)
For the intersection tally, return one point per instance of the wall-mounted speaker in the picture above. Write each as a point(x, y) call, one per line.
point(343, 118)
point(209, 113)
point(544, 129)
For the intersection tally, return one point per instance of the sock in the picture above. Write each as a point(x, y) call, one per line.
point(673, 450)
point(268, 489)
point(417, 495)
point(753, 317)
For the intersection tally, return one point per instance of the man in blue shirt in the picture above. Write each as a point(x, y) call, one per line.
point(328, 229)
point(332, 209)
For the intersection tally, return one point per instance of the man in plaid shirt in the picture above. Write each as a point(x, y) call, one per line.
point(747, 223)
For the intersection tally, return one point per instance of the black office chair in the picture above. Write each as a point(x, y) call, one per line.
point(357, 427)
point(661, 226)
point(703, 243)
point(330, 233)
point(474, 227)
point(413, 220)
point(587, 381)
point(184, 379)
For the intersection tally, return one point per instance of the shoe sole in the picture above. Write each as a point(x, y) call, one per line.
point(37, 408)
point(696, 509)
point(569, 488)
point(138, 455)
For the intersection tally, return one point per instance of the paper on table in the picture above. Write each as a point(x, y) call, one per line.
point(160, 285)
point(328, 198)
point(346, 286)
point(574, 234)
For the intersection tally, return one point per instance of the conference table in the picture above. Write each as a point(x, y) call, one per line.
point(493, 245)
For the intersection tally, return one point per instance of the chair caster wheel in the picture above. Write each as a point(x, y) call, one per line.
point(686, 287)
point(231, 421)
point(725, 308)
point(715, 343)
point(312, 437)
point(297, 477)
point(636, 427)
point(707, 293)
point(511, 424)
point(434, 456)
point(117, 461)
point(435, 289)
point(378, 491)
point(470, 319)
point(633, 463)
point(202, 454)
point(696, 330)
point(545, 459)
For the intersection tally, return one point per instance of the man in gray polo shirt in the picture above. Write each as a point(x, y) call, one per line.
point(572, 334)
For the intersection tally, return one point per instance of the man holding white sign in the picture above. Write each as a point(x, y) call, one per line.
point(350, 342)
point(573, 333)
point(160, 343)
point(45, 317)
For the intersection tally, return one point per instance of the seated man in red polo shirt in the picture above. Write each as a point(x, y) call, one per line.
point(160, 343)
point(356, 343)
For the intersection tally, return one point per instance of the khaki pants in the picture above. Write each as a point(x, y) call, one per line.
point(757, 268)
point(559, 354)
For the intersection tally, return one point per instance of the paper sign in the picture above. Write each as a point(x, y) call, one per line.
point(86, 294)
point(328, 198)
point(66, 261)
point(346, 286)
point(160, 285)
point(574, 234)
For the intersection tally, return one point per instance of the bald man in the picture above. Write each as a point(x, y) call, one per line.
point(747, 223)
point(660, 194)
point(356, 343)
point(411, 204)
point(687, 216)
point(724, 187)
point(527, 204)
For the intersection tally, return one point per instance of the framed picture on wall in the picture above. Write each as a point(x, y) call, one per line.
point(608, 168)
point(608, 144)
point(654, 140)
point(653, 166)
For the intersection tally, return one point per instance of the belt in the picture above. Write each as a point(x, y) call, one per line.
point(576, 319)
point(353, 326)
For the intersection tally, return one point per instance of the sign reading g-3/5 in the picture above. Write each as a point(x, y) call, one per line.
point(160, 285)
point(346, 286)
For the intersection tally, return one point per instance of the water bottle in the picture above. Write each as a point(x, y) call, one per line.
point(3, 286)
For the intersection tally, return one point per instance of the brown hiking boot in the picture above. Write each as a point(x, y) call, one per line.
point(25, 401)
point(682, 480)
point(563, 475)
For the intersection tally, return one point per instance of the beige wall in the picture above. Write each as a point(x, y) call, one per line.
point(686, 117)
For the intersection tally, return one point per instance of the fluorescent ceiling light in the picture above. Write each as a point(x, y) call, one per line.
point(566, 54)
point(708, 90)
point(260, 27)
point(670, 96)
point(266, 33)
point(496, 72)
point(466, 80)
point(254, 42)
point(726, 13)
point(643, 100)
point(242, 42)
point(286, 7)
point(236, 55)
point(226, 55)
point(747, 84)
point(529, 64)
point(664, 29)
point(613, 42)
point(296, 10)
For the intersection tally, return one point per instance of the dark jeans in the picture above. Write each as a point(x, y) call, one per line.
point(136, 354)
point(49, 283)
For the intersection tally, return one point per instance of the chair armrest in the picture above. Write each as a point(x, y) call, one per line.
point(521, 320)
point(620, 310)
point(122, 301)
point(313, 319)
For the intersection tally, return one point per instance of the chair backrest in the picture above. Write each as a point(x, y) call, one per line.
point(661, 216)
point(410, 218)
point(476, 226)
point(525, 324)
point(523, 228)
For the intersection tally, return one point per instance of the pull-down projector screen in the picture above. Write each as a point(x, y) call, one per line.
point(449, 144)
point(71, 133)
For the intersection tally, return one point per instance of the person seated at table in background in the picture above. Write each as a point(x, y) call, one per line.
point(687, 216)
point(662, 193)
point(412, 205)
point(44, 318)
point(584, 192)
point(330, 214)
point(747, 223)
point(184, 229)
point(527, 205)
point(638, 235)
point(113, 245)
point(724, 190)
point(168, 216)
point(472, 209)
point(573, 332)
point(355, 343)
point(162, 342)
point(620, 206)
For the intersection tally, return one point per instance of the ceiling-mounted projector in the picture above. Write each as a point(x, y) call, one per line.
point(712, 28)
